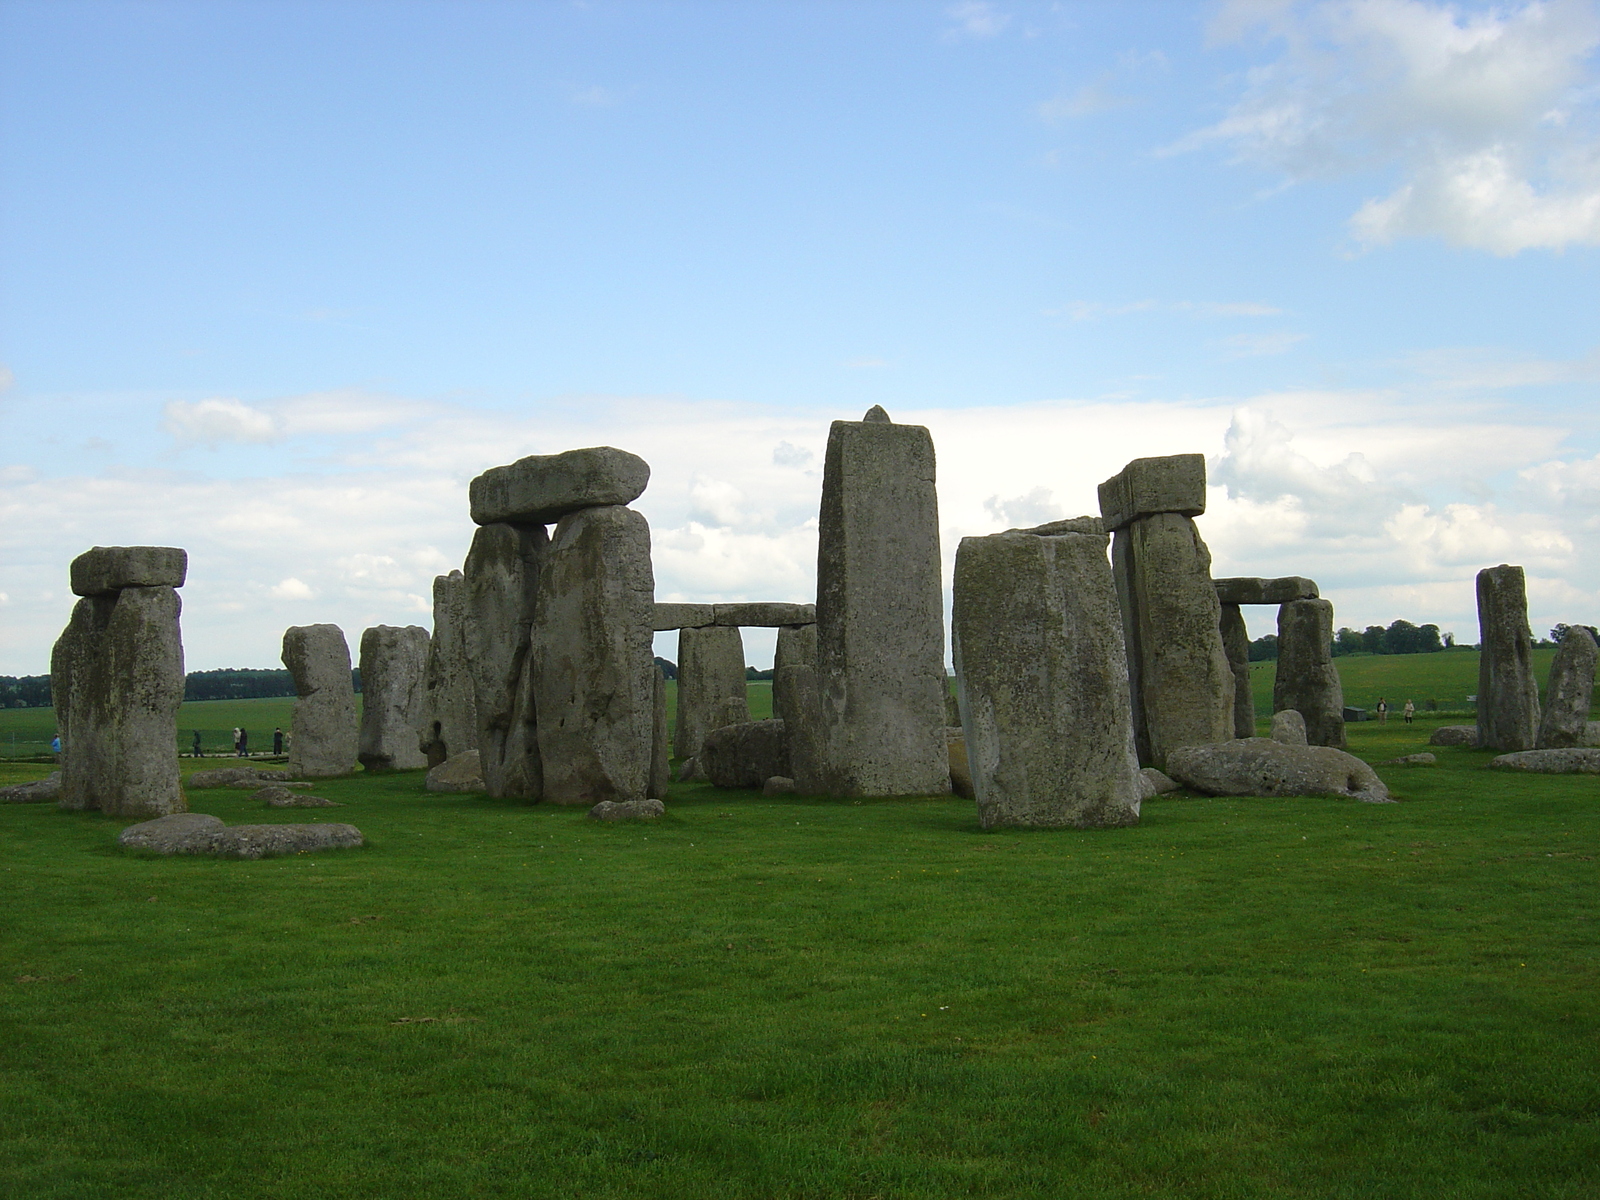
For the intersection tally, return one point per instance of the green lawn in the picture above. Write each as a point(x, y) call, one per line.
point(1447, 678)
point(800, 998)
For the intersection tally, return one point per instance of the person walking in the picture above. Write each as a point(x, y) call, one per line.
point(1409, 711)
point(236, 741)
point(195, 753)
point(277, 741)
point(1383, 711)
point(244, 743)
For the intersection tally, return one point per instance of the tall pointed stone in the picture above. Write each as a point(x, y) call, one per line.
point(1570, 691)
point(323, 733)
point(1508, 696)
point(1306, 680)
point(393, 662)
point(712, 691)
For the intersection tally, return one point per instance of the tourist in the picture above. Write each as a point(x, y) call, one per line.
point(1383, 711)
point(244, 743)
point(277, 741)
point(196, 751)
point(236, 741)
point(1409, 711)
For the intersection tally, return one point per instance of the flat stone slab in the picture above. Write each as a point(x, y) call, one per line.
point(765, 614)
point(459, 773)
point(627, 810)
point(1411, 760)
point(1173, 483)
point(1069, 525)
point(1263, 767)
point(277, 796)
point(683, 616)
point(38, 791)
point(1575, 761)
point(1454, 735)
point(1248, 590)
point(543, 488)
point(107, 569)
point(198, 833)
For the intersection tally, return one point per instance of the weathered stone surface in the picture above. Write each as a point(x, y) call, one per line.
point(254, 782)
point(593, 671)
point(628, 810)
point(686, 770)
point(960, 767)
point(778, 785)
point(797, 646)
point(1454, 735)
point(1236, 645)
point(1570, 691)
point(712, 690)
point(107, 569)
point(1570, 761)
point(1248, 590)
point(1178, 671)
point(747, 755)
point(448, 724)
point(197, 833)
point(324, 735)
point(543, 488)
point(117, 681)
point(1591, 734)
point(1411, 760)
point(1069, 525)
point(223, 777)
point(500, 581)
point(37, 791)
point(1173, 483)
point(660, 740)
point(682, 616)
point(1508, 696)
point(277, 796)
point(1159, 782)
point(1043, 682)
point(1263, 767)
point(1306, 679)
point(393, 662)
point(874, 708)
point(459, 773)
point(1289, 727)
point(765, 614)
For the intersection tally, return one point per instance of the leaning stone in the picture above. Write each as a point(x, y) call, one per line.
point(222, 777)
point(448, 722)
point(1508, 696)
point(323, 730)
point(1160, 783)
point(745, 756)
point(1248, 590)
point(1306, 678)
point(1173, 483)
point(1454, 735)
point(169, 834)
point(37, 791)
point(282, 797)
point(1070, 525)
point(458, 773)
point(107, 569)
point(1236, 644)
point(1263, 767)
point(393, 663)
point(960, 768)
point(1289, 727)
point(499, 583)
point(628, 810)
point(1573, 761)
point(765, 614)
point(543, 488)
point(1411, 760)
point(778, 785)
point(682, 616)
point(1571, 689)
point(1043, 682)
point(712, 688)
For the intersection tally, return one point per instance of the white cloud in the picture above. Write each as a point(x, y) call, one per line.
point(976, 19)
point(1035, 508)
point(291, 589)
point(1252, 345)
point(1489, 116)
point(209, 422)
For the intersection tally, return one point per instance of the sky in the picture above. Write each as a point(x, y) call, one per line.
point(277, 280)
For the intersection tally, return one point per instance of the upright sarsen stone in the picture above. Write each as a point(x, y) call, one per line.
point(1236, 645)
point(117, 681)
point(1043, 682)
point(592, 670)
point(323, 735)
point(448, 724)
point(796, 647)
point(1508, 696)
point(1307, 681)
point(880, 623)
point(712, 691)
point(1570, 691)
point(393, 661)
point(500, 581)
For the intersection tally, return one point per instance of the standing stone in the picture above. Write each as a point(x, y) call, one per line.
point(592, 669)
point(498, 589)
point(797, 646)
point(879, 676)
point(1236, 645)
point(711, 685)
point(323, 734)
point(117, 681)
point(1306, 680)
point(1570, 691)
point(449, 719)
point(1508, 696)
point(393, 661)
point(660, 741)
point(1043, 682)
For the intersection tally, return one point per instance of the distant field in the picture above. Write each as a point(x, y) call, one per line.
point(1447, 677)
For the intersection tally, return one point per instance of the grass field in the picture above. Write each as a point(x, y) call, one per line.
point(800, 998)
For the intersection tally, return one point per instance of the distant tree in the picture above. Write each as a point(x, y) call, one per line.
point(668, 670)
point(27, 691)
point(1372, 639)
point(1264, 649)
point(750, 673)
point(1400, 638)
point(1348, 641)
point(1449, 641)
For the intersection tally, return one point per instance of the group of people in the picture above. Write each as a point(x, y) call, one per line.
point(241, 743)
point(1408, 712)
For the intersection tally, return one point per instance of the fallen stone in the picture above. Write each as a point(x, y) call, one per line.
point(765, 614)
point(197, 833)
point(1070, 525)
point(448, 721)
point(107, 569)
point(282, 797)
point(459, 773)
point(254, 782)
point(1159, 782)
point(543, 488)
point(1508, 696)
point(682, 616)
point(627, 810)
point(1289, 727)
point(1173, 483)
point(218, 777)
point(1571, 689)
point(746, 755)
point(1454, 735)
point(1248, 590)
point(394, 660)
point(1306, 679)
point(37, 791)
point(960, 768)
point(1263, 767)
point(324, 734)
point(1573, 761)
point(778, 785)
point(1411, 760)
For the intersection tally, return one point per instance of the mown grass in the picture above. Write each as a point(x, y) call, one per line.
point(800, 998)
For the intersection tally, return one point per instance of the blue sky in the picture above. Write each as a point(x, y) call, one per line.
point(276, 280)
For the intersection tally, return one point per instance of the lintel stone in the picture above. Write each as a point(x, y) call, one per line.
point(107, 569)
point(682, 616)
point(767, 614)
point(1247, 590)
point(1174, 483)
point(543, 488)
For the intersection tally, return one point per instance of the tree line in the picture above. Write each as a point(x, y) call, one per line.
point(229, 683)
